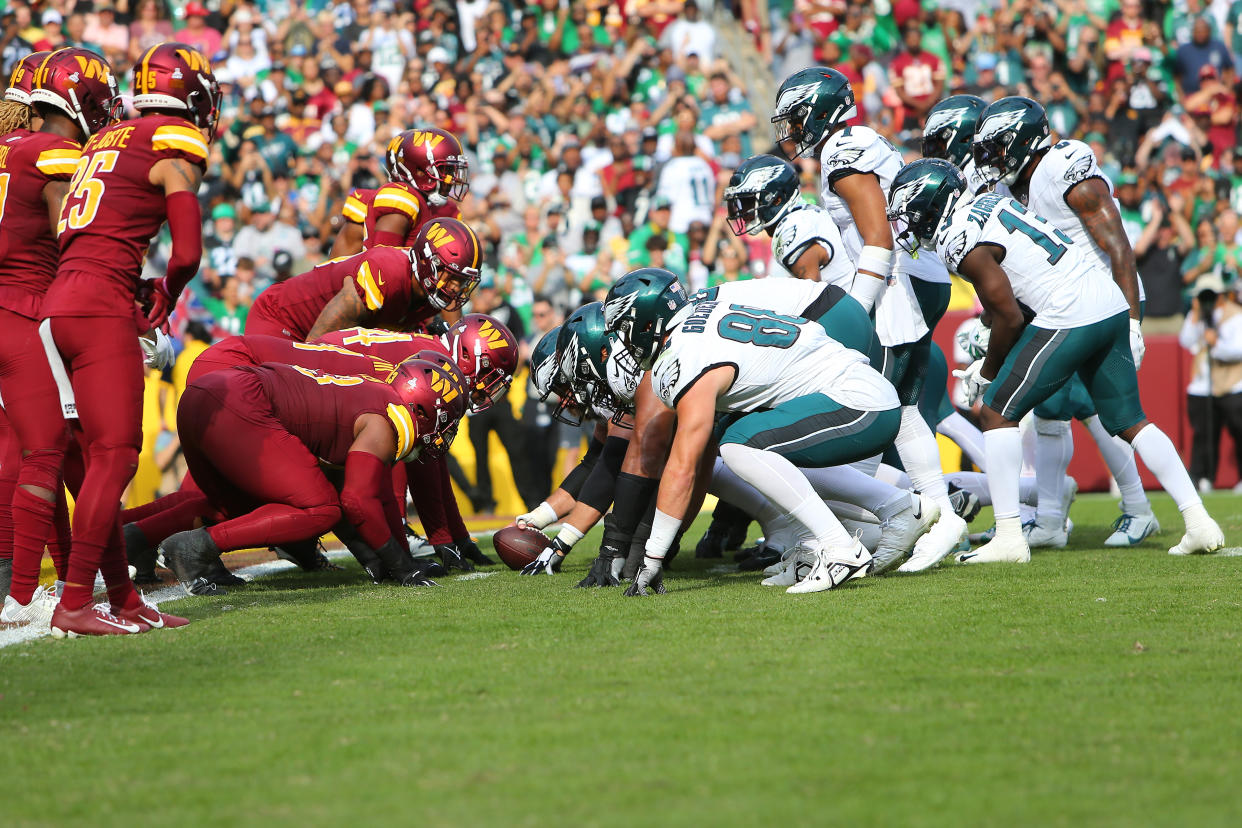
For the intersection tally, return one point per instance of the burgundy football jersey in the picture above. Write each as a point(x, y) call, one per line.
point(113, 211)
point(255, 349)
point(383, 278)
point(366, 207)
point(28, 251)
point(387, 346)
point(321, 409)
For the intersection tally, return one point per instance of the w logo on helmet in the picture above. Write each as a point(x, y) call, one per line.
point(998, 124)
point(438, 235)
point(443, 384)
point(494, 338)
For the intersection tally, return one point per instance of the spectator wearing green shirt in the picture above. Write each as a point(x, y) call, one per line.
point(673, 252)
point(228, 310)
point(726, 112)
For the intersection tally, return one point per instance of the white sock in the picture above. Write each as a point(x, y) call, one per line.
point(1004, 447)
point(968, 438)
point(1009, 528)
point(1054, 446)
point(780, 481)
point(1160, 455)
point(1027, 427)
point(1028, 490)
point(726, 485)
point(916, 445)
point(1119, 456)
point(893, 476)
point(849, 485)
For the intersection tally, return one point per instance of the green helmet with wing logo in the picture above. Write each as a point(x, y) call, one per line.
point(759, 194)
point(950, 128)
point(639, 306)
point(922, 196)
point(1009, 134)
point(604, 376)
point(809, 105)
point(544, 366)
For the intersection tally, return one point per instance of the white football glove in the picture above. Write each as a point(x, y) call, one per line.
point(974, 340)
point(973, 383)
point(157, 353)
point(539, 517)
point(1137, 346)
point(548, 562)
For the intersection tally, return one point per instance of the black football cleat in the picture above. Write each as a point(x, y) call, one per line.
point(763, 557)
point(712, 544)
point(221, 575)
point(193, 556)
point(429, 567)
point(965, 504)
point(452, 558)
point(308, 555)
point(140, 555)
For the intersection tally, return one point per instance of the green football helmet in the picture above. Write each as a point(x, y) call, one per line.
point(544, 366)
point(760, 193)
point(604, 376)
point(1009, 134)
point(923, 195)
point(639, 306)
point(951, 126)
point(809, 105)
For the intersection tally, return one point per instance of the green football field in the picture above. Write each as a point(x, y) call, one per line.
point(1090, 687)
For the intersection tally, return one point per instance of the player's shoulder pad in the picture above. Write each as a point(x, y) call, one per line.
point(57, 157)
point(666, 373)
point(396, 197)
point(963, 232)
point(177, 138)
point(382, 272)
point(1066, 164)
point(355, 208)
point(854, 148)
point(800, 227)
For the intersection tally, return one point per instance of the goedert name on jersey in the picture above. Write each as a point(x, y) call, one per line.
point(777, 358)
point(1049, 274)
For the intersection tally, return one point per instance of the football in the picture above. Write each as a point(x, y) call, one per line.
point(517, 547)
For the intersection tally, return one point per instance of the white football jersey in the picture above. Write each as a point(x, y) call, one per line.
point(1063, 166)
point(806, 225)
point(1050, 274)
point(778, 358)
point(862, 149)
point(789, 297)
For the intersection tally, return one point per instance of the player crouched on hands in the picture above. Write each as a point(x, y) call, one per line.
point(254, 439)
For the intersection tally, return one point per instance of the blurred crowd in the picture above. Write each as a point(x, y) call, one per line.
point(601, 133)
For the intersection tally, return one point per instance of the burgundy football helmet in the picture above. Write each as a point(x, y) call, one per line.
point(79, 83)
point(434, 393)
point(486, 353)
point(432, 160)
point(177, 78)
point(21, 80)
point(446, 256)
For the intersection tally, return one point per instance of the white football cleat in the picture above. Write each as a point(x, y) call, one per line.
point(998, 550)
point(795, 566)
point(833, 568)
point(899, 533)
point(1045, 537)
point(38, 613)
point(939, 543)
point(1203, 535)
point(1131, 530)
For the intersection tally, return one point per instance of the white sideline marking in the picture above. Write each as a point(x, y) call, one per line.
point(474, 576)
point(165, 595)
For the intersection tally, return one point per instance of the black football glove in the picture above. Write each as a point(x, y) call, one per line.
point(452, 558)
point(649, 580)
point(415, 579)
point(601, 574)
point(549, 560)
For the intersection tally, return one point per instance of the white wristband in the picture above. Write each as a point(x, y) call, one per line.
point(663, 531)
point(876, 260)
point(867, 290)
point(568, 536)
point(541, 515)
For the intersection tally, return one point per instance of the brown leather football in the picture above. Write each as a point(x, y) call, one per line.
point(518, 547)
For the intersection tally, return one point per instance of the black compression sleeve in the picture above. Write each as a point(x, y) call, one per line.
point(597, 491)
point(630, 501)
point(575, 479)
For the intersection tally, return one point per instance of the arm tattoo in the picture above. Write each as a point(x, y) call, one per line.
point(1095, 209)
point(344, 311)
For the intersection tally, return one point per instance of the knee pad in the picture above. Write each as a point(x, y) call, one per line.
point(121, 459)
point(41, 469)
point(1051, 428)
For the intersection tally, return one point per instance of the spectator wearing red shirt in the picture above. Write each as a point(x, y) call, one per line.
point(917, 76)
point(852, 69)
point(1125, 34)
point(196, 32)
